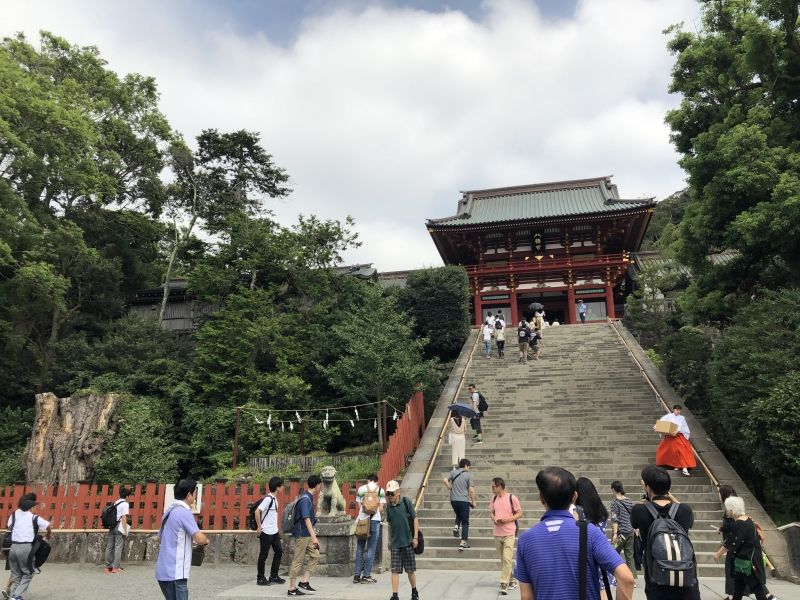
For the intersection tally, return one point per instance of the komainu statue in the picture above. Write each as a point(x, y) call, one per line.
point(331, 502)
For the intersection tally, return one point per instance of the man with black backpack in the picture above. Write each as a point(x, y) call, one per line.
point(23, 530)
point(664, 529)
point(115, 519)
point(269, 535)
point(480, 406)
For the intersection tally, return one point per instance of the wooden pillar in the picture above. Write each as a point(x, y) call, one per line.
point(514, 308)
point(570, 304)
point(610, 301)
point(478, 306)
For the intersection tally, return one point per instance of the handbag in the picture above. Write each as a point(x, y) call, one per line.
point(198, 555)
point(743, 566)
point(363, 528)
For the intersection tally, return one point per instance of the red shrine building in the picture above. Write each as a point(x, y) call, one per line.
point(553, 243)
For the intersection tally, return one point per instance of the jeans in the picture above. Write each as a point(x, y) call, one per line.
point(501, 347)
point(487, 346)
point(462, 509)
point(370, 545)
point(475, 423)
point(269, 540)
point(115, 541)
point(175, 590)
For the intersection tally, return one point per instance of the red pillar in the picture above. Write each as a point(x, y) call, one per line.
point(478, 308)
point(514, 308)
point(610, 302)
point(570, 305)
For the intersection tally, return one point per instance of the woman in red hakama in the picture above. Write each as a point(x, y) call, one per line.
point(676, 451)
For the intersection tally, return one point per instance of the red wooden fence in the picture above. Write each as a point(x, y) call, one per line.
point(224, 506)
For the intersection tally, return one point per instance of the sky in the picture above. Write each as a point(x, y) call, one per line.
point(387, 110)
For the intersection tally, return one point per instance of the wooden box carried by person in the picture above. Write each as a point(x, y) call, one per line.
point(667, 427)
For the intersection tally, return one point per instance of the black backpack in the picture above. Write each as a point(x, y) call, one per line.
point(498, 324)
point(668, 554)
point(483, 406)
point(109, 515)
point(252, 523)
point(40, 550)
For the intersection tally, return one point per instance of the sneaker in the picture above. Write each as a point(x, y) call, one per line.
point(512, 584)
point(463, 546)
point(106, 570)
point(262, 581)
point(503, 589)
point(685, 471)
point(117, 570)
point(455, 531)
point(295, 592)
point(276, 579)
point(5, 595)
point(357, 579)
point(479, 441)
point(414, 594)
point(306, 587)
point(369, 579)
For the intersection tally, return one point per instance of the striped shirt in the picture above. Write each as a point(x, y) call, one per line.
point(621, 515)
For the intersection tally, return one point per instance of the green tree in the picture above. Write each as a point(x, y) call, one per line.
point(382, 360)
point(737, 131)
point(439, 302)
point(758, 351)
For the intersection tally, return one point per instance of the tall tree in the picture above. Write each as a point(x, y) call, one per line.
point(738, 130)
point(382, 360)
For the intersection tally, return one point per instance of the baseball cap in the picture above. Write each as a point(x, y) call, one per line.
point(392, 486)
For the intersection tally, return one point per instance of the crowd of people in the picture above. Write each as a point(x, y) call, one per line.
point(528, 336)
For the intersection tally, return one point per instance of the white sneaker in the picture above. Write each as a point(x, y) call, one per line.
point(685, 471)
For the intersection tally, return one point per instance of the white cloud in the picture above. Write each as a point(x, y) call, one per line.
point(385, 114)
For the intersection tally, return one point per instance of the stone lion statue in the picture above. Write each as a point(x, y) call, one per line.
point(330, 502)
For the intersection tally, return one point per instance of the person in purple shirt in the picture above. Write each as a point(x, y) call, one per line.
point(178, 532)
point(547, 554)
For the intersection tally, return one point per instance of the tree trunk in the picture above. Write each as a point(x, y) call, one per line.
point(68, 437)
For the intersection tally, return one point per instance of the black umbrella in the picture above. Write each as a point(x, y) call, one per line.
point(535, 306)
point(463, 410)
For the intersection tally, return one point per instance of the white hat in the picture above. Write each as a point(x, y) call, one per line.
point(392, 486)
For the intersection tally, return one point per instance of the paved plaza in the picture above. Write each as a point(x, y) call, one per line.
point(71, 582)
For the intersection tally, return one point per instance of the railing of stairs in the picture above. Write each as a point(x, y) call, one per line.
point(664, 405)
point(421, 493)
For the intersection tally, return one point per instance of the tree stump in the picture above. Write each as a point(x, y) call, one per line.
point(68, 437)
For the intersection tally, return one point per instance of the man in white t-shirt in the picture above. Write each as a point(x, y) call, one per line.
point(115, 541)
point(23, 533)
point(364, 563)
point(269, 534)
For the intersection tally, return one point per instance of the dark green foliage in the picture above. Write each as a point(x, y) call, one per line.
point(754, 362)
point(662, 230)
point(687, 353)
point(438, 300)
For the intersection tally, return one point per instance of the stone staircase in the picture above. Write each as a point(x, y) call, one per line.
point(585, 407)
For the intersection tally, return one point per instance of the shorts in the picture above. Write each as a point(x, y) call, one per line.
point(403, 559)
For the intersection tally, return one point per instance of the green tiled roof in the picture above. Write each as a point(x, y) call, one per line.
point(539, 201)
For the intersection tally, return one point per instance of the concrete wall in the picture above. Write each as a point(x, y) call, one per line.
point(87, 547)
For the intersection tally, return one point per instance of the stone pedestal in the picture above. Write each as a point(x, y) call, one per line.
point(337, 546)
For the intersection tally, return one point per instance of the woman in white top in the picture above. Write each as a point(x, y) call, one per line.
point(21, 525)
point(458, 430)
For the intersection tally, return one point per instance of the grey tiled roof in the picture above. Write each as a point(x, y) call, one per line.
point(539, 201)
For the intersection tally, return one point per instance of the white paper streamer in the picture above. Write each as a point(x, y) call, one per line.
point(375, 424)
point(394, 416)
point(297, 414)
point(351, 423)
point(291, 426)
point(355, 409)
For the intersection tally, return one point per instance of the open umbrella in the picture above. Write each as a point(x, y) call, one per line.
point(535, 306)
point(462, 409)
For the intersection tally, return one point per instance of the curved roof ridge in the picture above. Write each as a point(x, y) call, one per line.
point(542, 187)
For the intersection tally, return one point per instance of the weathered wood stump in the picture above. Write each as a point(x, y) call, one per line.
point(68, 437)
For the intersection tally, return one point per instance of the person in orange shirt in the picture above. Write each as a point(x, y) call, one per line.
point(506, 512)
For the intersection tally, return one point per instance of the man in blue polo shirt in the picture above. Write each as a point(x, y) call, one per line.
point(547, 554)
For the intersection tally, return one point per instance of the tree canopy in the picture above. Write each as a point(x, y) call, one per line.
point(101, 198)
